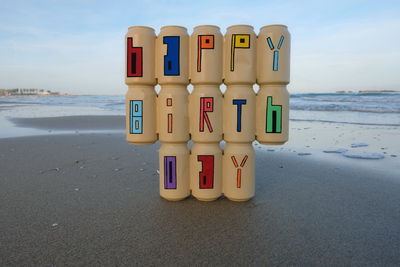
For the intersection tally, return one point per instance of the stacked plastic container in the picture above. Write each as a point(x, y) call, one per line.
point(206, 60)
point(205, 109)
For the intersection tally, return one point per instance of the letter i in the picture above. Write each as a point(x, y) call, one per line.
point(169, 104)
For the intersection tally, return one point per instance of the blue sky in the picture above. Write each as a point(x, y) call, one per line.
point(77, 46)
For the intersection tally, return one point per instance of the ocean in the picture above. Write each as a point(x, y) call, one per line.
point(352, 108)
point(357, 125)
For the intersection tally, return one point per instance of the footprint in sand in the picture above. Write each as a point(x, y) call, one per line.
point(363, 155)
point(354, 145)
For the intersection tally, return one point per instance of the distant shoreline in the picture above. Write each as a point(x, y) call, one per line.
point(9, 96)
point(337, 92)
point(367, 91)
point(28, 92)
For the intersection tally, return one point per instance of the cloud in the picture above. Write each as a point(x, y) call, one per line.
point(77, 46)
point(348, 56)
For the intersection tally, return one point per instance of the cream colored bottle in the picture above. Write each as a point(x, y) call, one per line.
point(239, 55)
point(205, 109)
point(172, 68)
point(174, 171)
point(273, 75)
point(172, 54)
point(239, 114)
point(173, 117)
point(238, 170)
point(206, 171)
point(140, 99)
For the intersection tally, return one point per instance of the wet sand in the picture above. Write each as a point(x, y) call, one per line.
point(92, 199)
point(72, 122)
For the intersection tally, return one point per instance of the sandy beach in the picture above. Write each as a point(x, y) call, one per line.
point(90, 199)
point(275, 129)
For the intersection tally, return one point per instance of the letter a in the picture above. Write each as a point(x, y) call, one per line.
point(171, 60)
point(206, 175)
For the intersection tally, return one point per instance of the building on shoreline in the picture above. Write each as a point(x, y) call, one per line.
point(29, 91)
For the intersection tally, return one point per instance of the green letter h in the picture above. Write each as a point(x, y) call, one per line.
point(273, 123)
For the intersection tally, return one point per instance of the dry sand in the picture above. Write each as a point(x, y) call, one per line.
point(92, 200)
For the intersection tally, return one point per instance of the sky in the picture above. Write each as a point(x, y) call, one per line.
point(77, 46)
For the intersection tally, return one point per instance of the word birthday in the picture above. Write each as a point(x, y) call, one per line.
point(207, 59)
